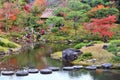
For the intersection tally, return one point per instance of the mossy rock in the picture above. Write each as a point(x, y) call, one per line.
point(4, 49)
point(57, 55)
point(8, 44)
point(118, 54)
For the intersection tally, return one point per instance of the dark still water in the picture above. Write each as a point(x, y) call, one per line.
point(38, 57)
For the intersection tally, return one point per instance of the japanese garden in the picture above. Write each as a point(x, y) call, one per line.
point(59, 39)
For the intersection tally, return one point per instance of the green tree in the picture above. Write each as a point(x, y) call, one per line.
point(61, 11)
point(55, 21)
point(105, 12)
point(77, 5)
point(75, 16)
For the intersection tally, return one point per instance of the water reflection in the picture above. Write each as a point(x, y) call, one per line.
point(68, 75)
point(35, 56)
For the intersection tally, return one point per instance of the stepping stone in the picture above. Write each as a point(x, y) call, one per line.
point(45, 71)
point(107, 65)
point(54, 68)
point(78, 67)
point(91, 67)
point(68, 68)
point(21, 73)
point(7, 72)
point(33, 70)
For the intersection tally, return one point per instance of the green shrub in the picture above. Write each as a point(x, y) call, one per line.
point(80, 45)
point(116, 59)
point(95, 42)
point(11, 45)
point(55, 29)
point(85, 56)
point(113, 46)
point(3, 44)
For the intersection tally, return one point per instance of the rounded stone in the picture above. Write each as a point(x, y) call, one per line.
point(7, 72)
point(33, 70)
point(78, 67)
point(68, 68)
point(107, 65)
point(45, 71)
point(91, 67)
point(54, 68)
point(21, 73)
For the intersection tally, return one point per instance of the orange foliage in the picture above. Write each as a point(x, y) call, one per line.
point(39, 2)
point(98, 8)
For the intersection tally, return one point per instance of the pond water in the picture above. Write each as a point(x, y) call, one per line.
point(38, 57)
point(69, 75)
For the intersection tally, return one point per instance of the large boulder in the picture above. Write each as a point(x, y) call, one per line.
point(105, 46)
point(70, 54)
point(107, 65)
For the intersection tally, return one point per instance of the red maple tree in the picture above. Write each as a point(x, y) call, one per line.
point(28, 7)
point(102, 27)
point(8, 12)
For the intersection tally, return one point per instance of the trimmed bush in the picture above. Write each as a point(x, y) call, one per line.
point(114, 46)
point(85, 56)
point(116, 59)
point(80, 45)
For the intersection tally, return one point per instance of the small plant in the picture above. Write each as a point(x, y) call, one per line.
point(95, 42)
point(87, 55)
point(55, 29)
point(80, 45)
point(116, 59)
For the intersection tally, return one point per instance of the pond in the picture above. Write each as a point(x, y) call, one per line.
point(38, 56)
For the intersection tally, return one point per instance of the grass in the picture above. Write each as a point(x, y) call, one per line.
point(101, 55)
point(4, 49)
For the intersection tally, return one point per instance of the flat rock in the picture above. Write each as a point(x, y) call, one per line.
point(21, 73)
point(68, 68)
point(78, 67)
point(45, 71)
point(91, 67)
point(7, 72)
point(54, 68)
point(33, 70)
point(107, 65)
